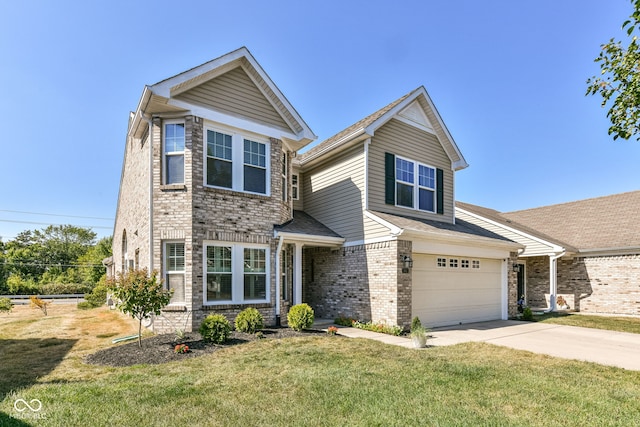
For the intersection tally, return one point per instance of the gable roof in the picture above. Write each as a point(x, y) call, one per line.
point(366, 128)
point(597, 224)
point(163, 97)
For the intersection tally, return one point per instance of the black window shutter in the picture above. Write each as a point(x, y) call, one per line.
point(440, 191)
point(389, 179)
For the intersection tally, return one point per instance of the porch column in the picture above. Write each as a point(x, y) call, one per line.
point(297, 274)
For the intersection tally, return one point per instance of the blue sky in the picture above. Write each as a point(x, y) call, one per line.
point(508, 78)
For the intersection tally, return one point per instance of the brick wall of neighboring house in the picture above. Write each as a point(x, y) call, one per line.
point(605, 285)
point(218, 215)
point(364, 282)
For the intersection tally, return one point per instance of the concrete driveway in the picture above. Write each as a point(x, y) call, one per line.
point(611, 348)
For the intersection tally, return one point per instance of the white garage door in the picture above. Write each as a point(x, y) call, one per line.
point(451, 290)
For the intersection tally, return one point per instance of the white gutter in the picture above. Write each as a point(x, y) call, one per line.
point(553, 280)
point(278, 278)
point(310, 239)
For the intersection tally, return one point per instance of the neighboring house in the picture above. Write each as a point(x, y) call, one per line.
point(586, 252)
point(215, 195)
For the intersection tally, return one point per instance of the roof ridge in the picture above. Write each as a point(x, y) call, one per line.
point(573, 202)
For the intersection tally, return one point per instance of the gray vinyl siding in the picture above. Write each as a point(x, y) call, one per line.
point(374, 230)
point(333, 193)
point(235, 93)
point(533, 247)
point(407, 141)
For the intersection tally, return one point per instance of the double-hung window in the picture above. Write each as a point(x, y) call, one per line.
point(173, 153)
point(284, 176)
point(174, 262)
point(294, 186)
point(235, 273)
point(236, 163)
point(411, 192)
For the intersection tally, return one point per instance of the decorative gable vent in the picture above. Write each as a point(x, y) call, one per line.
point(415, 115)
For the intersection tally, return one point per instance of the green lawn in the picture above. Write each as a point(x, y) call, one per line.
point(323, 381)
point(622, 324)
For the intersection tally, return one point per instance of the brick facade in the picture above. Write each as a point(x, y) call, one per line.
point(365, 282)
point(599, 285)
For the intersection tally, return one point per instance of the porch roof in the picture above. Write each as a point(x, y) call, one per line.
point(306, 228)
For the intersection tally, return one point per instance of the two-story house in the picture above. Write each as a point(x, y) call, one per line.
point(216, 195)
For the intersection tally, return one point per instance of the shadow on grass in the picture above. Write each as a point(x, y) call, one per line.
point(8, 421)
point(24, 361)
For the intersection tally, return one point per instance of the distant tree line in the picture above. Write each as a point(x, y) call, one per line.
point(55, 259)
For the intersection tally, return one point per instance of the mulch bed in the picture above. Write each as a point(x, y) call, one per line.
point(160, 348)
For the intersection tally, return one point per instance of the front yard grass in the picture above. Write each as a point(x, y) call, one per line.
point(316, 380)
point(611, 323)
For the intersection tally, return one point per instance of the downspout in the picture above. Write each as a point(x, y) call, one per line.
point(553, 280)
point(278, 278)
point(150, 122)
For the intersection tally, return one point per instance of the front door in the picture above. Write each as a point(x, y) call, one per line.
point(521, 282)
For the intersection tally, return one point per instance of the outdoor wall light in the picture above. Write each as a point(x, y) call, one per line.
point(407, 262)
point(516, 268)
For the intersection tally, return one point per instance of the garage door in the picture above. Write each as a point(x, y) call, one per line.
point(452, 290)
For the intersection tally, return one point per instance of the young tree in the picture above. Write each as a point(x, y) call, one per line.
point(139, 295)
point(620, 80)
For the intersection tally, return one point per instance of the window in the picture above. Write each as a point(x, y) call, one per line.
point(475, 263)
point(174, 153)
point(235, 273)
point(464, 263)
point(442, 262)
point(294, 186)
point(236, 163)
point(406, 189)
point(219, 159)
point(174, 265)
point(284, 176)
point(453, 263)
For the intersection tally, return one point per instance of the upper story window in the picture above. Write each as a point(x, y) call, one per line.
point(409, 190)
point(173, 149)
point(284, 176)
point(236, 163)
point(294, 186)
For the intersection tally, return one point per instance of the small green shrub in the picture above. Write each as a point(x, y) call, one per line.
point(415, 323)
point(6, 305)
point(249, 320)
point(382, 328)
point(97, 297)
point(215, 328)
point(85, 305)
point(300, 317)
point(344, 321)
point(527, 314)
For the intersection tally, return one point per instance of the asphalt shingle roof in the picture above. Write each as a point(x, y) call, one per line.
point(303, 223)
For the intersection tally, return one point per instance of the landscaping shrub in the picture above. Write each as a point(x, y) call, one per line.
point(344, 321)
point(383, 328)
point(84, 305)
point(215, 328)
point(97, 297)
point(64, 288)
point(249, 320)
point(6, 305)
point(415, 323)
point(300, 317)
point(527, 314)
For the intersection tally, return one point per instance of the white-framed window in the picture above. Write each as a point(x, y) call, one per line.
point(173, 149)
point(441, 262)
point(284, 176)
point(464, 263)
point(294, 186)
point(236, 162)
point(235, 273)
point(475, 263)
point(453, 263)
point(174, 269)
point(409, 190)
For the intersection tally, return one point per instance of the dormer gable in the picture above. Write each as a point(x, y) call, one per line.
point(232, 89)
